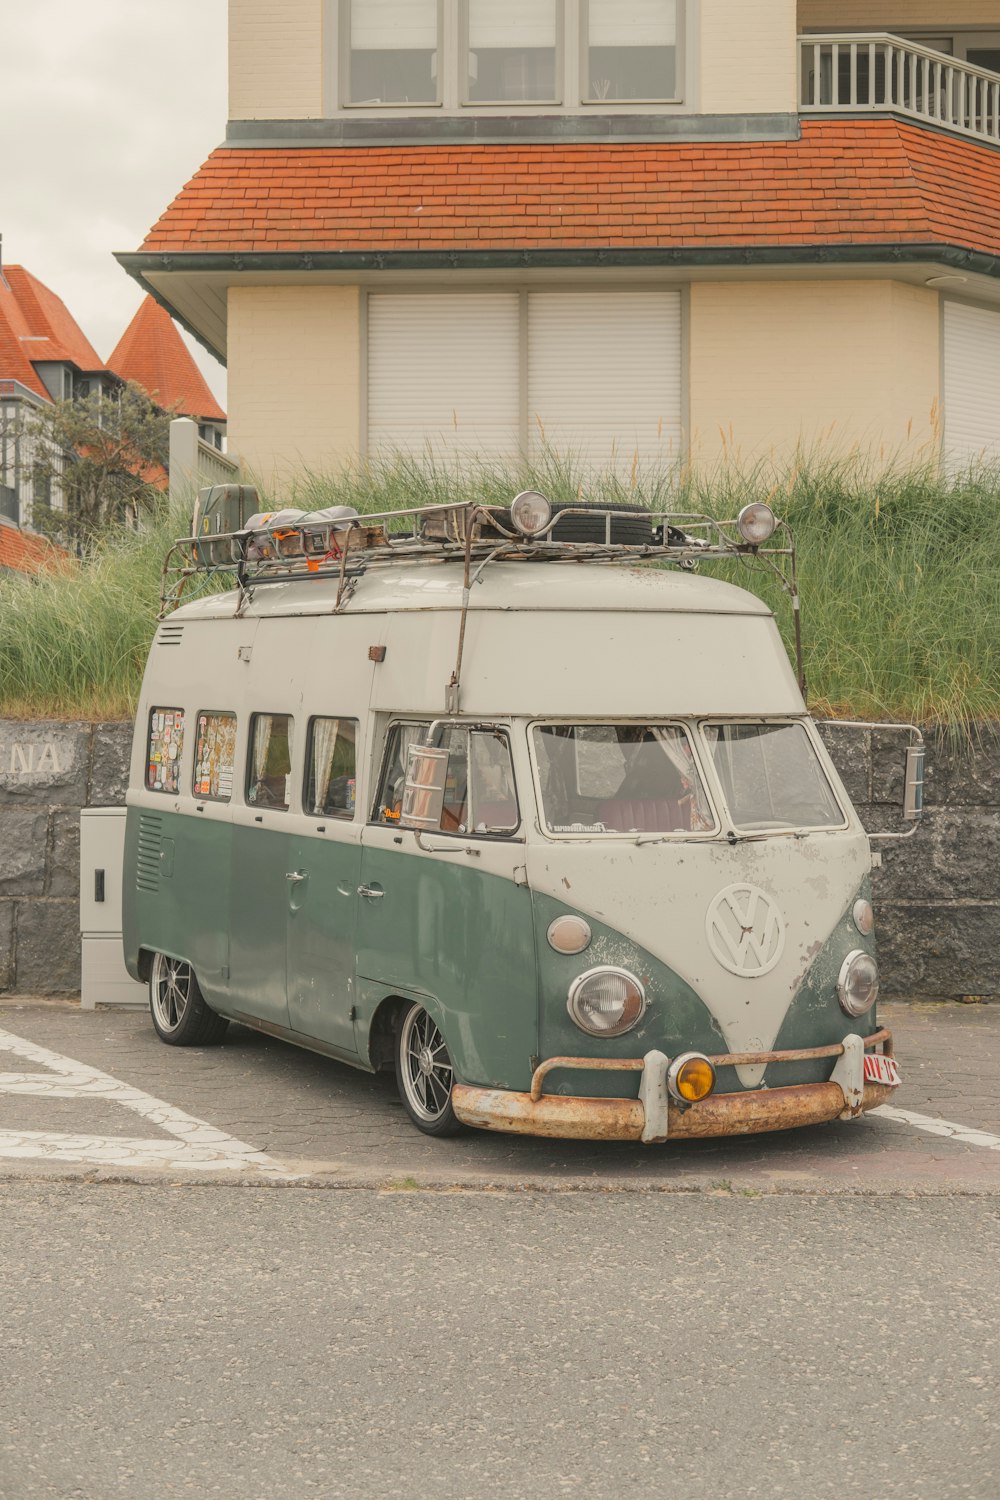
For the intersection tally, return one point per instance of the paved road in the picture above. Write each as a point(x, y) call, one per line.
point(261, 1110)
point(277, 1345)
point(184, 1313)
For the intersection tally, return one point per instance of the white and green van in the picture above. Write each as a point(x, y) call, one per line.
point(516, 801)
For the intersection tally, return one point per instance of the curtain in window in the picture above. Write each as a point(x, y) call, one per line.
point(681, 756)
point(261, 744)
point(325, 732)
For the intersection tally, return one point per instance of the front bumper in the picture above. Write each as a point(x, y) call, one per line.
point(654, 1117)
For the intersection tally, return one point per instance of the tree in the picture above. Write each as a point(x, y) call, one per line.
point(108, 454)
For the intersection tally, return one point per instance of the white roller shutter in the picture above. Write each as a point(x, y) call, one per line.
point(604, 375)
point(443, 373)
point(971, 383)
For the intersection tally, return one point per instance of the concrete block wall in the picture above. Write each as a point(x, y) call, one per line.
point(49, 772)
point(937, 895)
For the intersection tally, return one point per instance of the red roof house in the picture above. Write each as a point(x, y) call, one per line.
point(152, 354)
point(648, 232)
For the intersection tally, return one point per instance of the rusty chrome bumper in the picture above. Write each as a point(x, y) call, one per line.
point(653, 1117)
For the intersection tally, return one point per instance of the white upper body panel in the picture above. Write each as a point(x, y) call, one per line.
point(554, 639)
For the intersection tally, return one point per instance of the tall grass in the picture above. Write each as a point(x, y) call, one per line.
point(899, 572)
point(73, 644)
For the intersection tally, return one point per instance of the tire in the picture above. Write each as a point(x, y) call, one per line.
point(424, 1074)
point(180, 1016)
point(626, 529)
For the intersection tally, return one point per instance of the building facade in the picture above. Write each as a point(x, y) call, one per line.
point(636, 230)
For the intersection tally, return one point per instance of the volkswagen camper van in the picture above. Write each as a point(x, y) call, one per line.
point(518, 801)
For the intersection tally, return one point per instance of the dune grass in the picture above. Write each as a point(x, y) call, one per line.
point(899, 572)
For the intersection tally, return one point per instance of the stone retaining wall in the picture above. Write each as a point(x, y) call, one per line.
point(937, 895)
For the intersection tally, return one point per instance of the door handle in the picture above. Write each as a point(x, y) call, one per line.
point(370, 892)
point(294, 876)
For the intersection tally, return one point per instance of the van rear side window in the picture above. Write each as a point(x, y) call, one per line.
point(215, 756)
point(331, 768)
point(269, 773)
point(164, 749)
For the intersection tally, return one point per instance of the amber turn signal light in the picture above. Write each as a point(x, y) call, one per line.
point(690, 1077)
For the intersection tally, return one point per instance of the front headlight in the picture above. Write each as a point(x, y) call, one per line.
point(857, 986)
point(606, 1002)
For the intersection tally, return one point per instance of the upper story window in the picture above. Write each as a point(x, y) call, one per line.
point(460, 55)
point(630, 48)
point(393, 48)
point(512, 49)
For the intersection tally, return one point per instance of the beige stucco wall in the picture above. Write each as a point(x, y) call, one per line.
point(823, 364)
point(898, 15)
point(294, 378)
point(275, 59)
point(747, 56)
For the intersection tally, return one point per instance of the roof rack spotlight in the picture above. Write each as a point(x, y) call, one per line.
point(530, 512)
point(756, 523)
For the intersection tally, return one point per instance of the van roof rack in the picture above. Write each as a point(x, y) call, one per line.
point(279, 547)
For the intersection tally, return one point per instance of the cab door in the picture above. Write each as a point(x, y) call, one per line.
point(323, 878)
point(261, 859)
point(448, 915)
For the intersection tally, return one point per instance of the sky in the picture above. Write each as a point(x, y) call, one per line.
point(107, 107)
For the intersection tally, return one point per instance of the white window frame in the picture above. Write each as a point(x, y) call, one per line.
point(622, 106)
point(465, 49)
point(452, 80)
point(344, 71)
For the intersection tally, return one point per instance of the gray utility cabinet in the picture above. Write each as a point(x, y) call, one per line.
point(105, 978)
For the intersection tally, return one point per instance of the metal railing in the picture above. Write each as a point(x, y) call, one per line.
point(843, 73)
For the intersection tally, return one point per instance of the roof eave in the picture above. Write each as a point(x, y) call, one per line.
point(140, 263)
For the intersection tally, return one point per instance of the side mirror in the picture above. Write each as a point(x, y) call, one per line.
point(423, 788)
point(913, 789)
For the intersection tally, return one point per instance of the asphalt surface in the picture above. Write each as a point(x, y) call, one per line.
point(272, 1345)
point(240, 1273)
point(328, 1124)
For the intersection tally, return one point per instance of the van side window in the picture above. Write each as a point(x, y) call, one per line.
point(215, 756)
point(164, 750)
point(390, 791)
point(331, 768)
point(270, 766)
point(479, 794)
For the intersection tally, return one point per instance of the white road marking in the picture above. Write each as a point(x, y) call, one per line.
point(195, 1143)
point(963, 1133)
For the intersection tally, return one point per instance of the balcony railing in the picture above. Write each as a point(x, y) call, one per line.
point(849, 74)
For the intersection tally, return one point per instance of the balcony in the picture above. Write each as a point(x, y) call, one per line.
point(851, 74)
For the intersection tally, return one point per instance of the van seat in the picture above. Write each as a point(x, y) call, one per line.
point(646, 814)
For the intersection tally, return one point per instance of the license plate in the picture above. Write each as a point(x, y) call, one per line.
point(879, 1069)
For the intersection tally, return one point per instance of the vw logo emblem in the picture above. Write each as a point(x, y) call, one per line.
point(745, 931)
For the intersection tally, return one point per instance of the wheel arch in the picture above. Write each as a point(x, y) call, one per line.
point(385, 1018)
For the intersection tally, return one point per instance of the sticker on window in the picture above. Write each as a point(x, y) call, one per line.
point(215, 756)
point(166, 746)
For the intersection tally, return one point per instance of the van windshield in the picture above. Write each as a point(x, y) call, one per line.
point(772, 777)
point(620, 778)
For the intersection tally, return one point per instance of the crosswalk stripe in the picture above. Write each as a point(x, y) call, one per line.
point(195, 1142)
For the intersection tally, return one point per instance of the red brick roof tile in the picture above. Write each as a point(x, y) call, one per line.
point(845, 182)
point(152, 353)
point(24, 552)
point(52, 332)
point(14, 361)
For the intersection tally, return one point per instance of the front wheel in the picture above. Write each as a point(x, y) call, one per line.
point(424, 1074)
point(179, 1012)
